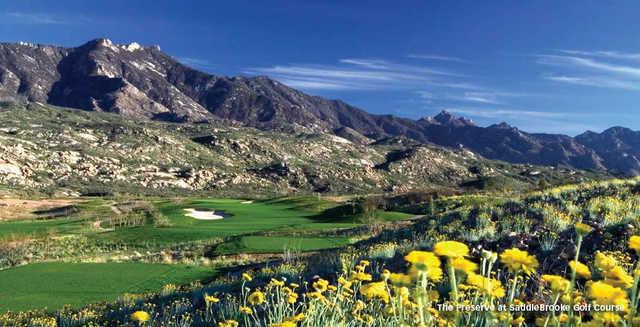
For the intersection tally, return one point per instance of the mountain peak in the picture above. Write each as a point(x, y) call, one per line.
point(446, 118)
point(109, 44)
point(502, 125)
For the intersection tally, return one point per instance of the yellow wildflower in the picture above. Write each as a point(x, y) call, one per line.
point(607, 318)
point(256, 298)
point(246, 310)
point(605, 262)
point(361, 276)
point(377, 290)
point(605, 294)
point(581, 269)
point(518, 321)
point(228, 323)
point(275, 283)
point(292, 298)
point(583, 229)
point(425, 261)
point(490, 286)
point(563, 318)
point(344, 282)
point(316, 296)
point(357, 307)
point(618, 277)
point(210, 299)
point(400, 279)
point(634, 243)
point(517, 260)
point(558, 283)
point(296, 318)
point(451, 249)
point(320, 285)
point(434, 274)
point(140, 316)
point(247, 277)
point(464, 265)
point(284, 324)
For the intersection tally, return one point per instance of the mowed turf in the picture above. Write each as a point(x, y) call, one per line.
point(53, 285)
point(243, 218)
point(39, 227)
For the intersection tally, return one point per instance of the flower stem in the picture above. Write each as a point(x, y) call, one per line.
point(573, 276)
point(454, 289)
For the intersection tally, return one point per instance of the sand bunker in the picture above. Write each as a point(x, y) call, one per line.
point(203, 215)
point(247, 202)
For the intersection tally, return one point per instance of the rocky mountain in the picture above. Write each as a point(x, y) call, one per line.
point(145, 83)
point(52, 150)
point(618, 147)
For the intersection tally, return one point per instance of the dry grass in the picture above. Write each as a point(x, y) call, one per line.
point(15, 209)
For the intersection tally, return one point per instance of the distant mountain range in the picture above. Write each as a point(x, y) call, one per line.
point(145, 83)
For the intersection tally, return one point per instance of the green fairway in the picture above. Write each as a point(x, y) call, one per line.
point(39, 227)
point(271, 244)
point(53, 285)
point(75, 223)
point(242, 218)
point(392, 215)
point(288, 215)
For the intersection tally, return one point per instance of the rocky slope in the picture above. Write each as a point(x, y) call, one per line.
point(618, 147)
point(61, 151)
point(145, 83)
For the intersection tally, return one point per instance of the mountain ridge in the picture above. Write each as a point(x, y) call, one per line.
point(146, 83)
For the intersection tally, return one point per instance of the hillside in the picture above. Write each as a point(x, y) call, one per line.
point(68, 152)
point(539, 230)
point(146, 83)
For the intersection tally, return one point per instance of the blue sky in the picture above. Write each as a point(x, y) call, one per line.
point(544, 66)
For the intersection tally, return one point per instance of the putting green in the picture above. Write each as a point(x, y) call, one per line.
point(53, 285)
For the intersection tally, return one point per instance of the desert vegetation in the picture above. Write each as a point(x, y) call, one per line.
point(564, 256)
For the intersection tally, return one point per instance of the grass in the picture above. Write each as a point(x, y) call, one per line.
point(76, 223)
point(392, 215)
point(273, 244)
point(39, 227)
point(285, 215)
point(244, 218)
point(53, 285)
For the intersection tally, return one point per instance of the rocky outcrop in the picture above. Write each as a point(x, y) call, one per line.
point(145, 83)
point(49, 149)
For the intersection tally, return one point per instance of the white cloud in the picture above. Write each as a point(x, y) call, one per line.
point(597, 81)
point(435, 57)
point(578, 62)
point(196, 63)
point(532, 121)
point(369, 63)
point(583, 68)
point(607, 54)
point(34, 18)
point(481, 96)
point(500, 113)
point(362, 74)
